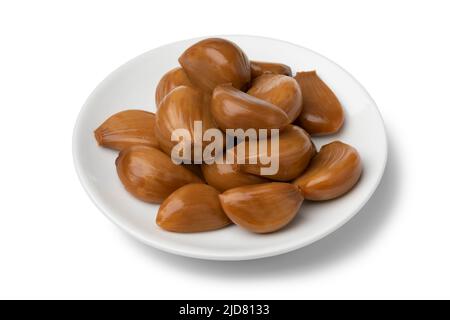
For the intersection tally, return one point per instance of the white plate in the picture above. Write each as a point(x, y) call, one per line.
point(133, 86)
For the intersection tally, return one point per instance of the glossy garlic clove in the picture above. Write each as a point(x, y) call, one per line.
point(215, 61)
point(294, 154)
point(259, 67)
point(322, 112)
point(280, 90)
point(332, 172)
point(262, 208)
point(179, 110)
point(150, 175)
point(234, 109)
point(226, 176)
point(172, 79)
point(127, 128)
point(192, 208)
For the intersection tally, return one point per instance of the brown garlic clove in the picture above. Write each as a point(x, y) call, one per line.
point(280, 90)
point(150, 175)
point(172, 79)
point(295, 152)
point(262, 208)
point(322, 113)
point(192, 208)
point(127, 128)
point(259, 67)
point(225, 176)
point(234, 109)
point(332, 172)
point(214, 61)
point(179, 110)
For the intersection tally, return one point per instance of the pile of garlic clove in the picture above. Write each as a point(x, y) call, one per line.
point(218, 85)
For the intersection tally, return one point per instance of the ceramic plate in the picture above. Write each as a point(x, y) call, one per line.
point(132, 86)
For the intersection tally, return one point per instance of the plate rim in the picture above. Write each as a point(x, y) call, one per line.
point(235, 256)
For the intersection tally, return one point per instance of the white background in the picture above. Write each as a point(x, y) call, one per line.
point(54, 243)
